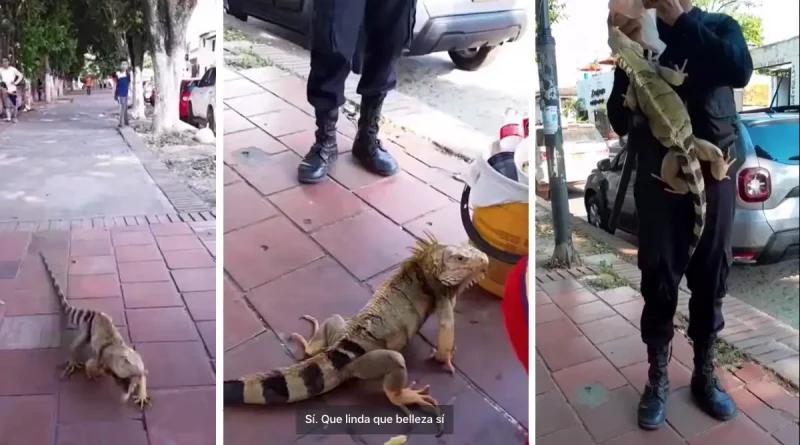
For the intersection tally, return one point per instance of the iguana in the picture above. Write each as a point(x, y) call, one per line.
point(109, 353)
point(367, 345)
point(650, 89)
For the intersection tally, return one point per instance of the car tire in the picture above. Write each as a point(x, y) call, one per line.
point(212, 124)
point(473, 59)
point(232, 8)
point(596, 212)
point(190, 114)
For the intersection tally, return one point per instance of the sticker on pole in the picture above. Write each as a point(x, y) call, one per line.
point(550, 121)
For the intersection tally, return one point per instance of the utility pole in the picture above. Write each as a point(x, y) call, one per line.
point(564, 254)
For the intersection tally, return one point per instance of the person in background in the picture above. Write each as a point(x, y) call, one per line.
point(39, 89)
point(717, 61)
point(11, 77)
point(123, 81)
point(336, 27)
point(89, 83)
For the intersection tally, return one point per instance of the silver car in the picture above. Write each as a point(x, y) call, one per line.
point(767, 220)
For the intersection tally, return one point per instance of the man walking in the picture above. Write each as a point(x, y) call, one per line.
point(123, 80)
point(336, 25)
point(718, 60)
point(11, 78)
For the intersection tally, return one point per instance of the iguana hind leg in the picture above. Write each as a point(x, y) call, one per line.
point(674, 77)
point(391, 365)
point(671, 175)
point(720, 163)
point(72, 365)
point(322, 336)
point(630, 98)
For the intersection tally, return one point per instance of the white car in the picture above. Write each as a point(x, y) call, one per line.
point(202, 100)
point(584, 147)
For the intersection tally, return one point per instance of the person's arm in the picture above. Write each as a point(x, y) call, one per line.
point(618, 114)
point(721, 57)
point(18, 77)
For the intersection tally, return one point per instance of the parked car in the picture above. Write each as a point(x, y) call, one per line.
point(202, 100)
point(470, 31)
point(766, 226)
point(187, 85)
point(584, 147)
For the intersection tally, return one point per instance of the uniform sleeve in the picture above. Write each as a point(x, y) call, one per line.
point(618, 115)
point(722, 55)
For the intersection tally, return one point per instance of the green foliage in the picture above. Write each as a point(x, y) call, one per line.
point(47, 33)
point(741, 11)
point(557, 12)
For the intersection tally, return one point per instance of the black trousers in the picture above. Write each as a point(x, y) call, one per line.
point(336, 25)
point(665, 225)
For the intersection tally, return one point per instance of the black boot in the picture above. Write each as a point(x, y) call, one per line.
point(706, 389)
point(367, 149)
point(316, 164)
point(652, 405)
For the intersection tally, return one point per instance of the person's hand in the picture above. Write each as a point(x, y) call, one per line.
point(667, 10)
point(630, 27)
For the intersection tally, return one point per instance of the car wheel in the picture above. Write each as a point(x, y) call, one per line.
point(233, 8)
point(473, 59)
point(189, 114)
point(596, 213)
point(210, 120)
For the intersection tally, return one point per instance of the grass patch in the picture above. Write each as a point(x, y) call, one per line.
point(727, 356)
point(607, 278)
point(246, 58)
point(232, 35)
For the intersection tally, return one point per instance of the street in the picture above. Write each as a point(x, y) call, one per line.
point(771, 288)
point(433, 79)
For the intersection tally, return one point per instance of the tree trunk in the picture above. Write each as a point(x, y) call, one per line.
point(27, 98)
point(49, 84)
point(168, 21)
point(136, 52)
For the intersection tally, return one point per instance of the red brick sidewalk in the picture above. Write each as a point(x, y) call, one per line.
point(292, 250)
point(158, 284)
point(591, 366)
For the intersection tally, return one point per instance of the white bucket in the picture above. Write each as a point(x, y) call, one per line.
point(521, 156)
point(490, 187)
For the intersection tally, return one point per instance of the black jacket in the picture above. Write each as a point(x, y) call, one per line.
point(718, 60)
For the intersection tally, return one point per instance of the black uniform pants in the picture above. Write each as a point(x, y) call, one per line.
point(666, 221)
point(336, 25)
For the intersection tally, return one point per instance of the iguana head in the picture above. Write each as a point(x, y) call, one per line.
point(619, 42)
point(452, 266)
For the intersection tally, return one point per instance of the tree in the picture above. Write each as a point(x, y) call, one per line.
point(752, 28)
point(167, 21)
point(557, 12)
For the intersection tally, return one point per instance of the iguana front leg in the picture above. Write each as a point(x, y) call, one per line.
point(674, 77)
point(446, 346)
point(321, 336)
point(671, 174)
point(141, 399)
point(630, 98)
point(391, 365)
point(72, 364)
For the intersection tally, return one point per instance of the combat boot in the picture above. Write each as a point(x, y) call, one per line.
point(323, 153)
point(367, 148)
point(652, 406)
point(706, 389)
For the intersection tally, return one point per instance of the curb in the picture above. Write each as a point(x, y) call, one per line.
point(402, 111)
point(766, 340)
point(182, 198)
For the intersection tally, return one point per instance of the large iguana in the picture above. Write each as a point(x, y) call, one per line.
point(650, 90)
point(367, 345)
point(109, 353)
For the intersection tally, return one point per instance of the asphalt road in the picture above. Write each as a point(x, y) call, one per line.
point(774, 289)
point(479, 98)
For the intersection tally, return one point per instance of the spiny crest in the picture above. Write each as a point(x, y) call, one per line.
point(423, 247)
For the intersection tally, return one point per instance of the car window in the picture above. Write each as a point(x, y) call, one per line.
point(212, 77)
point(777, 141)
point(619, 160)
point(202, 81)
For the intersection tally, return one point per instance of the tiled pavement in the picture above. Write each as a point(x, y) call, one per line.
point(591, 366)
point(155, 276)
point(292, 250)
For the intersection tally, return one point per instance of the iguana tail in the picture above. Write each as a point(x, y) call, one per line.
point(301, 381)
point(76, 316)
point(690, 166)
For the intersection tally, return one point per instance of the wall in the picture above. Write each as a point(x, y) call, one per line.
point(786, 52)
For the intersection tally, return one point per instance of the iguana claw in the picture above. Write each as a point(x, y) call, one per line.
point(445, 359)
point(141, 402)
point(70, 368)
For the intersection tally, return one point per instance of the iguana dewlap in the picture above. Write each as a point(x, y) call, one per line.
point(367, 345)
point(651, 90)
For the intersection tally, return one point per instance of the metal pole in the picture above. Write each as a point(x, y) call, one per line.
point(564, 254)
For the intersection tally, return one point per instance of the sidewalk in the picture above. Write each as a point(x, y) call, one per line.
point(320, 250)
point(591, 367)
point(71, 188)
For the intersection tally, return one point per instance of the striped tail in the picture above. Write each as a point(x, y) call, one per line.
point(75, 316)
point(301, 381)
point(690, 166)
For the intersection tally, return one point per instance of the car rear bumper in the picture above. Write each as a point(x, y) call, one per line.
point(780, 246)
point(461, 32)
